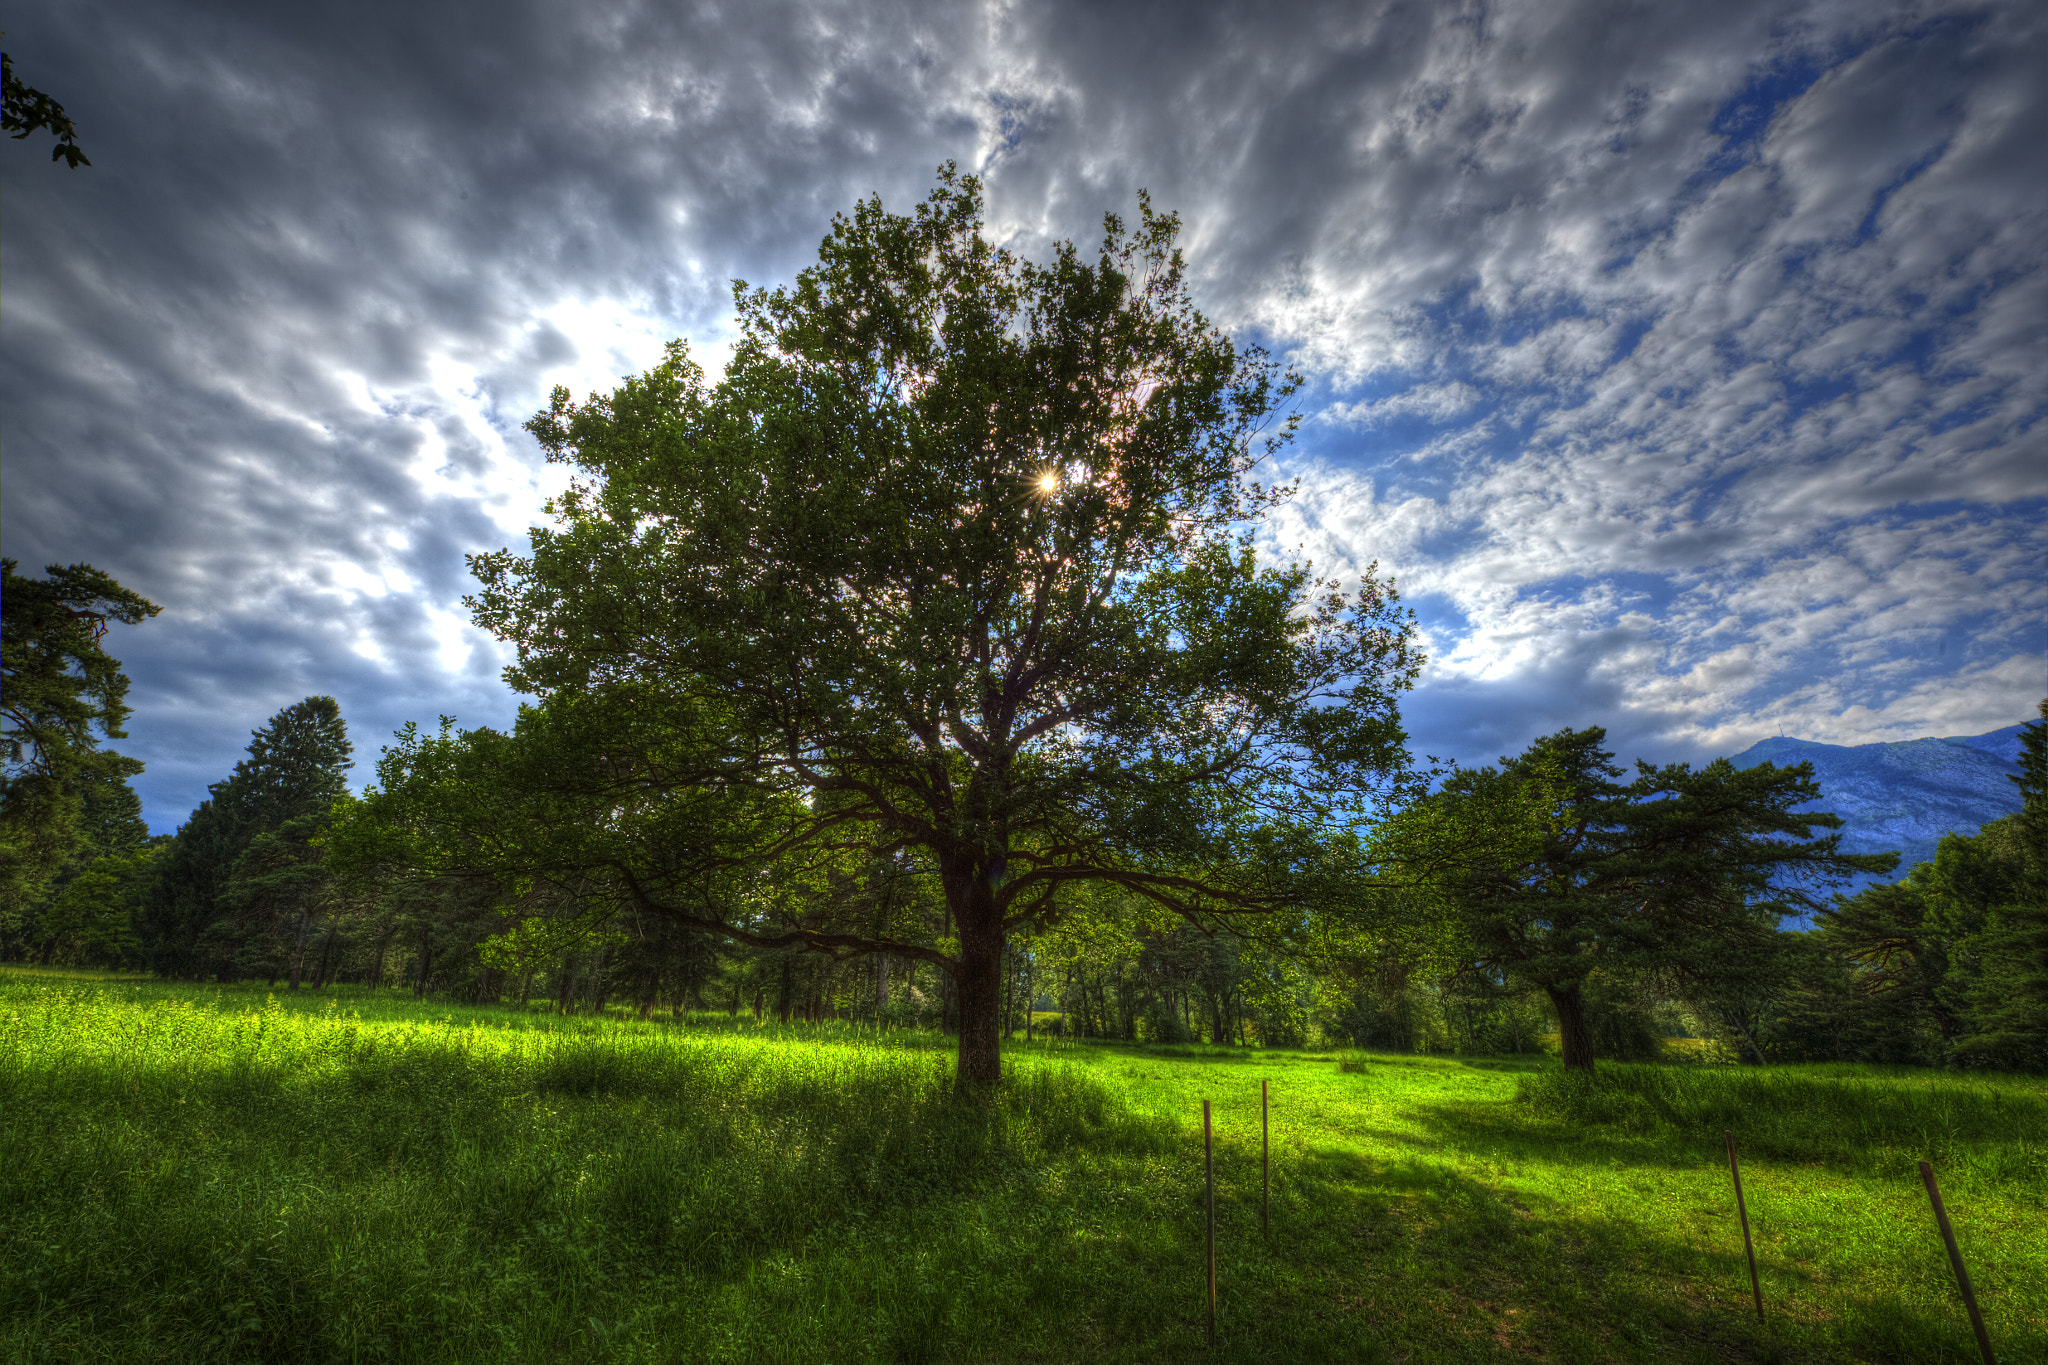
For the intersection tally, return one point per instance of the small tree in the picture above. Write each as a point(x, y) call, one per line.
point(93, 920)
point(954, 565)
point(1546, 869)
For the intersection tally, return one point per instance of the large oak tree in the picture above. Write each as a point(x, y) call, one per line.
point(952, 570)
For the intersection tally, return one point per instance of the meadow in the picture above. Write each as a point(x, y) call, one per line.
point(204, 1173)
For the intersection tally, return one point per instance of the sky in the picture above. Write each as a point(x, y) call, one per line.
point(1684, 364)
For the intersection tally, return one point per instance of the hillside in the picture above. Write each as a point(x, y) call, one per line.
point(1906, 795)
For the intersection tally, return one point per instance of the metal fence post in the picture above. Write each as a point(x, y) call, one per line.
point(1265, 1165)
point(1955, 1258)
point(1742, 1211)
point(1209, 1182)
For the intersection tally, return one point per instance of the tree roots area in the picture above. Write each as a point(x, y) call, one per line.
point(211, 1174)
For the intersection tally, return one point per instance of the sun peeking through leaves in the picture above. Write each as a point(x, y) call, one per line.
point(797, 633)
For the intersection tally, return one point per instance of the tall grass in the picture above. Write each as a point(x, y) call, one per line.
point(1868, 1120)
point(285, 1185)
point(199, 1173)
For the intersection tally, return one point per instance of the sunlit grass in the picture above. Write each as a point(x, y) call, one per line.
point(209, 1174)
point(36, 973)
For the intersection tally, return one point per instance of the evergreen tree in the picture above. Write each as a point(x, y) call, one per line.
point(2007, 1008)
point(95, 921)
point(271, 902)
point(210, 912)
point(1552, 874)
point(109, 831)
point(1950, 962)
point(61, 696)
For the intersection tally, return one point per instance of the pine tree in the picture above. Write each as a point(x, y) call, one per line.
point(2008, 1009)
point(111, 839)
point(211, 913)
point(1554, 875)
point(61, 697)
point(1950, 963)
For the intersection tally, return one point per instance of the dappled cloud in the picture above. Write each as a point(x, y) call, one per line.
point(1683, 364)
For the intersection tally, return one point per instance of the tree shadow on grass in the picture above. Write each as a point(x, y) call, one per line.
point(1496, 1274)
point(1911, 1314)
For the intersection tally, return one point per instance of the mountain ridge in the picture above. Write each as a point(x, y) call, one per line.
point(1904, 795)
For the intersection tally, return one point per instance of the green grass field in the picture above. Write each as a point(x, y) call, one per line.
point(204, 1174)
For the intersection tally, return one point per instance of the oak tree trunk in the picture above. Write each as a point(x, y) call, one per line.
point(974, 985)
point(980, 984)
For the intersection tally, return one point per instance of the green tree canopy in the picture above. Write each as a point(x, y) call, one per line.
point(295, 771)
point(954, 566)
point(61, 696)
point(95, 919)
point(1548, 869)
point(1951, 960)
point(2008, 1004)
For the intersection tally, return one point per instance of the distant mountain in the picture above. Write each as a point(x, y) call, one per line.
point(1905, 795)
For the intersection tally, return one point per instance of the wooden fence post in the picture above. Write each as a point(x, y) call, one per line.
point(1742, 1211)
point(1209, 1183)
point(1955, 1258)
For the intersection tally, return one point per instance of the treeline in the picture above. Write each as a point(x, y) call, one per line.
point(1548, 896)
point(1948, 965)
point(1660, 903)
point(244, 892)
point(1945, 966)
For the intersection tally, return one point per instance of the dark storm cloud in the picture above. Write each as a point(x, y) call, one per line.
point(1687, 359)
point(227, 344)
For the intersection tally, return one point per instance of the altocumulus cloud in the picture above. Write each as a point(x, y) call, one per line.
point(1684, 363)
